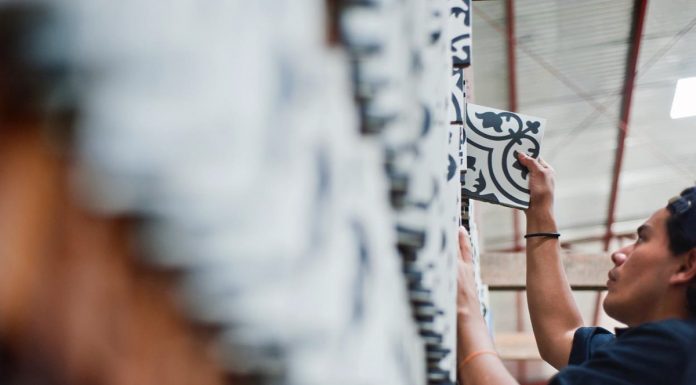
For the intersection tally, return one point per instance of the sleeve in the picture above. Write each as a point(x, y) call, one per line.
point(586, 341)
point(654, 355)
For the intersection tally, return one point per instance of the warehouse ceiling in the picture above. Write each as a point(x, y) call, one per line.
point(570, 60)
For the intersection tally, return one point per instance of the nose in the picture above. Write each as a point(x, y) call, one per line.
point(619, 256)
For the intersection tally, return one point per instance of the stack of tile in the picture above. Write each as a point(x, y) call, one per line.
point(230, 128)
point(402, 59)
point(308, 195)
point(460, 25)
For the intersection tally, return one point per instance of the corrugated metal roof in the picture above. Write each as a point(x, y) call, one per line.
point(571, 64)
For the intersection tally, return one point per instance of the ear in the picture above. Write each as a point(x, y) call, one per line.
point(687, 268)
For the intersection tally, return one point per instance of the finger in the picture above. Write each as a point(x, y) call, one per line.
point(464, 245)
point(529, 162)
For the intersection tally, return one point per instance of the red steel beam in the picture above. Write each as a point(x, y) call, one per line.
point(640, 10)
point(516, 220)
point(512, 59)
point(512, 102)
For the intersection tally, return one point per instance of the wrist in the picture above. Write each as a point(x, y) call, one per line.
point(472, 336)
point(470, 314)
point(465, 313)
point(541, 221)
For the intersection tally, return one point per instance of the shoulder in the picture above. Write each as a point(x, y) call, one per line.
point(675, 327)
point(690, 375)
point(652, 353)
point(671, 334)
point(662, 343)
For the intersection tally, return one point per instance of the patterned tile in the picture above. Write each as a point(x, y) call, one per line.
point(457, 105)
point(460, 31)
point(494, 137)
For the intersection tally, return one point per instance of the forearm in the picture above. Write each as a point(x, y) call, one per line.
point(484, 369)
point(472, 333)
point(552, 308)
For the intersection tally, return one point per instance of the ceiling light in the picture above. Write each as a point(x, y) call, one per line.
point(684, 103)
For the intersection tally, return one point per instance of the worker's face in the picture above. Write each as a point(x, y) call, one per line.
point(640, 280)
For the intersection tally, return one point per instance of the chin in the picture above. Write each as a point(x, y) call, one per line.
point(611, 309)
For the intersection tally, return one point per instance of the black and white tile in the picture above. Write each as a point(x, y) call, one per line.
point(457, 105)
point(494, 137)
point(270, 214)
point(460, 32)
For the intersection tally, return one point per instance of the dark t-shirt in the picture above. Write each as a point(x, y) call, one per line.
point(652, 353)
point(690, 375)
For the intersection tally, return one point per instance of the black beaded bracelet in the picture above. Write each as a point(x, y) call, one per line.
point(549, 235)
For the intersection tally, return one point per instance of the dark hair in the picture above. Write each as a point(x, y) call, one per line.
point(681, 231)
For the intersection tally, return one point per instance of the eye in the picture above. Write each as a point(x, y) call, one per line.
point(641, 239)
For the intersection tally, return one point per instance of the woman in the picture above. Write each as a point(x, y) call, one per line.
point(652, 289)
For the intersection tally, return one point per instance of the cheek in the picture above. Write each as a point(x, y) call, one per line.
point(652, 269)
point(637, 267)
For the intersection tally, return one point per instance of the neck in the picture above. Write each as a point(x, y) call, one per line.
point(672, 306)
